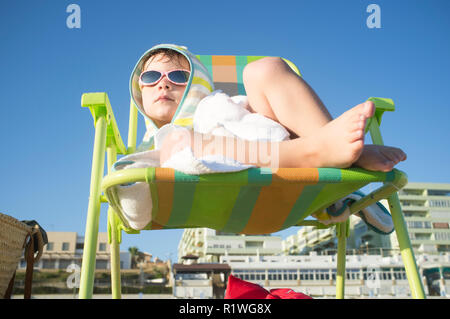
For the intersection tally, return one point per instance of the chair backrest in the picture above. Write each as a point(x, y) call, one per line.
point(226, 71)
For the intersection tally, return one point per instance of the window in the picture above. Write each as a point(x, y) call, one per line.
point(101, 264)
point(399, 273)
point(442, 214)
point(65, 246)
point(418, 224)
point(48, 263)
point(413, 202)
point(102, 247)
point(292, 274)
point(306, 274)
point(50, 246)
point(272, 274)
point(79, 246)
point(254, 244)
point(386, 274)
point(260, 274)
point(433, 192)
point(419, 236)
point(64, 263)
point(442, 236)
point(324, 274)
point(440, 225)
point(221, 233)
point(439, 203)
point(411, 192)
point(443, 248)
point(352, 274)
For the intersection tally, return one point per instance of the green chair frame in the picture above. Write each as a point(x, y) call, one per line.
point(108, 140)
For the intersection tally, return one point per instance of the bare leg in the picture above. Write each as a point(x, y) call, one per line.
point(338, 143)
point(276, 92)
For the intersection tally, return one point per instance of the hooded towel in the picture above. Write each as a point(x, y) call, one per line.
point(199, 86)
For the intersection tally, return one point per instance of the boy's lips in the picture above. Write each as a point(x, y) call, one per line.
point(163, 98)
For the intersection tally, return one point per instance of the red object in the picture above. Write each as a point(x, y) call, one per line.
point(241, 289)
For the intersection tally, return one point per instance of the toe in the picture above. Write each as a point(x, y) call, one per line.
point(358, 134)
point(369, 109)
point(389, 165)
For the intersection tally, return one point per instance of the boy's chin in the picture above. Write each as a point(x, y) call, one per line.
point(162, 119)
point(162, 112)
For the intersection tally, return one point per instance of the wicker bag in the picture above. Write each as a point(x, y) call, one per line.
point(16, 236)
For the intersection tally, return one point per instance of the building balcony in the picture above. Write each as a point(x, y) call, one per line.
point(242, 251)
point(410, 197)
point(406, 207)
point(193, 282)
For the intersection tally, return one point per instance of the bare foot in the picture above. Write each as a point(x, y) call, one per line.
point(340, 142)
point(380, 158)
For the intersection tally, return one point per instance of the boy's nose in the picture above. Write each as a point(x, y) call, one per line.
point(164, 82)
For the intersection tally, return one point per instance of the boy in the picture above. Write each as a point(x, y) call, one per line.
point(277, 93)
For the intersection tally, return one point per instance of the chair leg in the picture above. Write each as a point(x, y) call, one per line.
point(412, 273)
point(342, 234)
point(93, 216)
point(114, 235)
point(115, 254)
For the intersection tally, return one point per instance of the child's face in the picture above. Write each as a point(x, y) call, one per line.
point(161, 100)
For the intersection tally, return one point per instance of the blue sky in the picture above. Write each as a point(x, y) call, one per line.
point(47, 138)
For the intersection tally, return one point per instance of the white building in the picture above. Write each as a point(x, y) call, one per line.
point(366, 275)
point(65, 248)
point(209, 244)
point(426, 209)
point(374, 266)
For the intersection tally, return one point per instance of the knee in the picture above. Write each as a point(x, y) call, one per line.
point(263, 68)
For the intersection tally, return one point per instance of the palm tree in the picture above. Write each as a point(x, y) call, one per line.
point(135, 254)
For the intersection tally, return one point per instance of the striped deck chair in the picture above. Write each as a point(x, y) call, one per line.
point(254, 201)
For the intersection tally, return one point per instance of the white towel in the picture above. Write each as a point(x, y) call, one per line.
point(217, 114)
point(135, 200)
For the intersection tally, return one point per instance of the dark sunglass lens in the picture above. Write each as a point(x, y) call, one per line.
point(150, 76)
point(179, 76)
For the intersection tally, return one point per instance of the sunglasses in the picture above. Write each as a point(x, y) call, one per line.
point(151, 77)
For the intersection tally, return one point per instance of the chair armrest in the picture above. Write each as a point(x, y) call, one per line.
point(381, 105)
point(99, 105)
point(373, 123)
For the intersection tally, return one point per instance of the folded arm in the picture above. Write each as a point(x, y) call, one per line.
point(289, 153)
